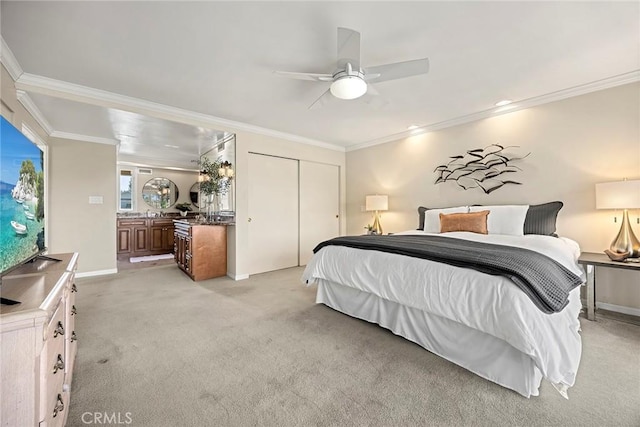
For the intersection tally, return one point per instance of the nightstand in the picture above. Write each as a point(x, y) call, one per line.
point(591, 261)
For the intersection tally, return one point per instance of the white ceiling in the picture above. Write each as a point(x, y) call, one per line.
point(217, 59)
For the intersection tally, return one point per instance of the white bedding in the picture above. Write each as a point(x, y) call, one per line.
point(487, 303)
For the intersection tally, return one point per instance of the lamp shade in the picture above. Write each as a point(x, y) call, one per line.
point(377, 203)
point(618, 195)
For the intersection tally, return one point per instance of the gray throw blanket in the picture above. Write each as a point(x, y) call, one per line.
point(546, 282)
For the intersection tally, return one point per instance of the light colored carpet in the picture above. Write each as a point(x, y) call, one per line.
point(172, 352)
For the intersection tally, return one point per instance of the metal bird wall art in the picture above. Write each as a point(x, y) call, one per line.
point(484, 168)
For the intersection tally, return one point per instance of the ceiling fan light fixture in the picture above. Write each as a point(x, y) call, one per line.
point(348, 87)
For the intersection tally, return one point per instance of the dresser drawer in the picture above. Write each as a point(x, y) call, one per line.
point(52, 363)
point(71, 339)
point(55, 330)
point(58, 414)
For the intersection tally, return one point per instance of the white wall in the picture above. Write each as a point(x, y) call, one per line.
point(574, 144)
point(247, 142)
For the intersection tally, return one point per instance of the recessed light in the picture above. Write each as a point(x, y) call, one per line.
point(413, 127)
point(503, 102)
point(171, 146)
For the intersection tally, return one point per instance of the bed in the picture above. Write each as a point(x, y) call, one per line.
point(476, 319)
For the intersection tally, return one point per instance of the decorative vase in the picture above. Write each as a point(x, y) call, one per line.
point(183, 213)
point(210, 206)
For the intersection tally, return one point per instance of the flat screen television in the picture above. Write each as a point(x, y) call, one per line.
point(22, 184)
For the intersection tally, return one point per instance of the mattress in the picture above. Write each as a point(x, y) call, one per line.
point(539, 345)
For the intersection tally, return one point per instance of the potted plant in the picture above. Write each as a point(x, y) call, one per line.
point(215, 185)
point(184, 208)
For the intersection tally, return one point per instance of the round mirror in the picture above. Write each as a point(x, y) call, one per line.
point(194, 195)
point(160, 193)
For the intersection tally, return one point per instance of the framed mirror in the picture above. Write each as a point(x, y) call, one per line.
point(194, 195)
point(160, 193)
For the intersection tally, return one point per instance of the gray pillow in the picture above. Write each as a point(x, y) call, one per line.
point(541, 219)
point(421, 211)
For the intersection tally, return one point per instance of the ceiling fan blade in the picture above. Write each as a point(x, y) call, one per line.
point(306, 76)
point(322, 100)
point(348, 48)
point(399, 70)
point(371, 90)
point(373, 98)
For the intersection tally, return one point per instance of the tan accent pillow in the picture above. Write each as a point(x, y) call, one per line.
point(475, 222)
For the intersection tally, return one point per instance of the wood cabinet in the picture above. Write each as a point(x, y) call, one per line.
point(39, 342)
point(161, 235)
point(144, 236)
point(133, 237)
point(201, 250)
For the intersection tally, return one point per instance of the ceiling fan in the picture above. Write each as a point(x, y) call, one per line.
point(350, 80)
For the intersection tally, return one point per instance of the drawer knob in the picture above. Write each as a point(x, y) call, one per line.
point(74, 288)
point(59, 364)
point(73, 336)
point(73, 310)
point(59, 406)
point(59, 330)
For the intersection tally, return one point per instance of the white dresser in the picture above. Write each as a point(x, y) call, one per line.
point(38, 342)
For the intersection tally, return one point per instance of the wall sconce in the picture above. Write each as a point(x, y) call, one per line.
point(377, 203)
point(621, 195)
point(203, 176)
point(226, 170)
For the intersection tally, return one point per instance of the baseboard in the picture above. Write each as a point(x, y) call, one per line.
point(619, 308)
point(97, 273)
point(238, 276)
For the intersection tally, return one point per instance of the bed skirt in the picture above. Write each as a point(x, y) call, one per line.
point(483, 354)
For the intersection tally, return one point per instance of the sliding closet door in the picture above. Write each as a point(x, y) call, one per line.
point(319, 206)
point(273, 213)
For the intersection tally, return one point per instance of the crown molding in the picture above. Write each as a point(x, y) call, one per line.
point(143, 162)
point(84, 94)
point(621, 79)
point(9, 61)
point(83, 138)
point(30, 106)
point(87, 95)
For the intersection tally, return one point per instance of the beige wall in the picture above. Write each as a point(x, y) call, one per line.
point(75, 170)
point(79, 170)
point(574, 144)
point(12, 109)
point(98, 252)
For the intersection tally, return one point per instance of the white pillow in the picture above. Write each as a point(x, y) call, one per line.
point(432, 217)
point(504, 219)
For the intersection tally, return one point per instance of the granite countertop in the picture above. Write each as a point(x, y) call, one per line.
point(171, 215)
point(193, 218)
point(201, 221)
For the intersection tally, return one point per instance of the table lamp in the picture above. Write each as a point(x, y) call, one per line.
point(623, 195)
point(377, 203)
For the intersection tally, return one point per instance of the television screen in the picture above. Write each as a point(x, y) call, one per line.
point(21, 197)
